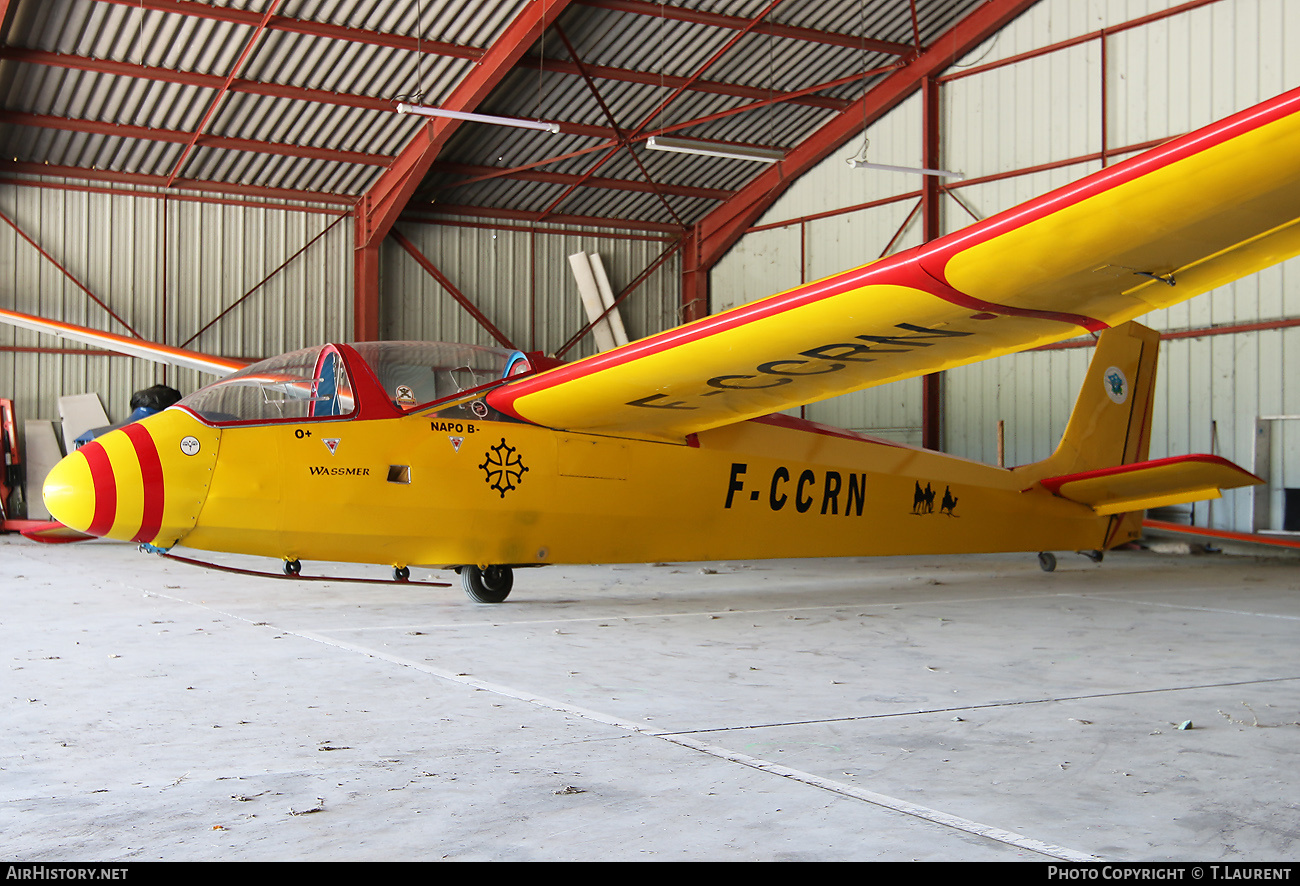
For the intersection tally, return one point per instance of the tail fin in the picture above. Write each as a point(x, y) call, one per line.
point(1111, 422)
point(1102, 459)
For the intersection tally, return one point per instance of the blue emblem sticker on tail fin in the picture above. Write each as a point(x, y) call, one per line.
point(1116, 384)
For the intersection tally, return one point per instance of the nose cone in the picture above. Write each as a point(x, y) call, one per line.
point(111, 487)
point(70, 495)
point(144, 483)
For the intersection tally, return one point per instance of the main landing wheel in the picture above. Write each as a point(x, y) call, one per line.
point(1047, 561)
point(490, 585)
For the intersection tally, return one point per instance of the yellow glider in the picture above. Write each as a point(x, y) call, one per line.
point(409, 453)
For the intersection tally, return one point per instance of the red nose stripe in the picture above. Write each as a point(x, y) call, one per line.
point(101, 473)
point(151, 473)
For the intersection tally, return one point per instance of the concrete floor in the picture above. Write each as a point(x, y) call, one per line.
point(903, 708)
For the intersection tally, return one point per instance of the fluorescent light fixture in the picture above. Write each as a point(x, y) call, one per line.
point(516, 122)
point(942, 173)
point(714, 149)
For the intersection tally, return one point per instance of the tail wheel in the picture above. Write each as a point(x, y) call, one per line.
point(489, 585)
point(401, 573)
point(292, 567)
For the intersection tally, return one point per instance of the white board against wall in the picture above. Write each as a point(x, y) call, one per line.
point(42, 455)
point(80, 413)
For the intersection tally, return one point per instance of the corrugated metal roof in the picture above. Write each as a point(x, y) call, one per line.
point(116, 87)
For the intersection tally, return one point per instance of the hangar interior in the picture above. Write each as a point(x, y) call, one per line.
point(234, 177)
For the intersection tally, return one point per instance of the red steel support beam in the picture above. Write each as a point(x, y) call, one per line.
point(123, 130)
point(725, 225)
point(302, 26)
point(916, 26)
point(613, 145)
point(384, 201)
point(931, 229)
point(446, 284)
point(525, 215)
point(565, 178)
point(415, 218)
point(160, 181)
point(1105, 99)
point(131, 192)
point(650, 78)
point(930, 149)
point(695, 280)
point(365, 294)
point(221, 93)
point(191, 78)
point(502, 173)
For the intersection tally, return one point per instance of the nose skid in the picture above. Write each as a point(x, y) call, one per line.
point(144, 483)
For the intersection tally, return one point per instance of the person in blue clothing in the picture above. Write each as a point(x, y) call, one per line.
point(143, 403)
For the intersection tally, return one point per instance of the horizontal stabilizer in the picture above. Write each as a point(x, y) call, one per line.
point(1151, 484)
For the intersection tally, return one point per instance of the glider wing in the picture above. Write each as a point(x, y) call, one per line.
point(1192, 214)
point(121, 344)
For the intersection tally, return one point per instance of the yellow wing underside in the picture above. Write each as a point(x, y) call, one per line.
point(1193, 214)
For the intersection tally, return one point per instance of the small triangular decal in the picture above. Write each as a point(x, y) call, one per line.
point(331, 443)
point(455, 442)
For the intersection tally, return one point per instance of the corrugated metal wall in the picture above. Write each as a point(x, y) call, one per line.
point(166, 267)
point(522, 283)
point(1161, 79)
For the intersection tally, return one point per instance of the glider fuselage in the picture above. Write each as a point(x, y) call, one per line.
point(439, 489)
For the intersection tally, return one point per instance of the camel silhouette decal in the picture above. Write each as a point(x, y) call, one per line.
point(949, 502)
point(923, 500)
